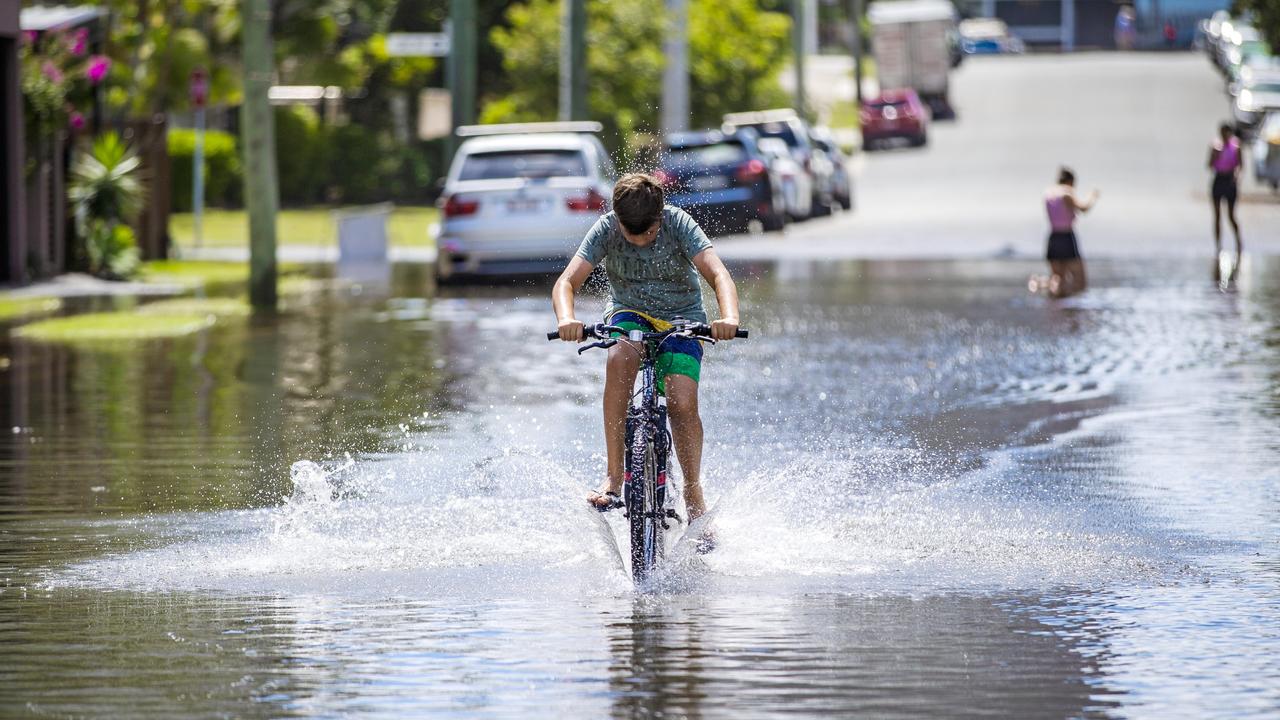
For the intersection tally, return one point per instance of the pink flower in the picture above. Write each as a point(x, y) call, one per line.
point(77, 121)
point(98, 67)
point(80, 42)
point(30, 37)
point(51, 71)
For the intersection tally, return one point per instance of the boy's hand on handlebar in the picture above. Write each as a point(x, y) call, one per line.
point(571, 330)
point(724, 329)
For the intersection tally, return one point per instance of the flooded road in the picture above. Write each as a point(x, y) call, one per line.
point(935, 495)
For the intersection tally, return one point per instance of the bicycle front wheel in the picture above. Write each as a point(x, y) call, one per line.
point(644, 508)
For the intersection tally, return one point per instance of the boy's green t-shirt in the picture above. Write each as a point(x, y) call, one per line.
point(659, 279)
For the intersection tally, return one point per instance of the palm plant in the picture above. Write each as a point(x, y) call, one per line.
point(107, 195)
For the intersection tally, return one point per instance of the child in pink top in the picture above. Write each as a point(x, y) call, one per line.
point(1066, 267)
point(1224, 160)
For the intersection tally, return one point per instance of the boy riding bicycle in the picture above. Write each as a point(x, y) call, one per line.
point(653, 254)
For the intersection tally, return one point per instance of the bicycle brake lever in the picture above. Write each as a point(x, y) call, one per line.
point(605, 345)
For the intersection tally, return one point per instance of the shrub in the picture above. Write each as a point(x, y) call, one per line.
point(299, 155)
point(106, 195)
point(222, 173)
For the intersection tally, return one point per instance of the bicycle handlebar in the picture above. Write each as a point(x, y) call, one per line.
point(601, 331)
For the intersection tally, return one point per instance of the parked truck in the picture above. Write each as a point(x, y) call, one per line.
point(912, 41)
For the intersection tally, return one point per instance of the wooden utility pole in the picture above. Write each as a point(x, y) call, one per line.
point(855, 24)
point(257, 123)
point(797, 38)
point(573, 60)
point(461, 69)
point(675, 77)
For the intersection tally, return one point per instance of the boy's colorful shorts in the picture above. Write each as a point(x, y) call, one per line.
point(676, 356)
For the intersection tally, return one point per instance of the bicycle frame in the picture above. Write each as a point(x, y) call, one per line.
point(648, 447)
point(648, 440)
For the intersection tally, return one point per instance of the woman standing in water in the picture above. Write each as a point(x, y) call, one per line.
point(1066, 267)
point(1224, 160)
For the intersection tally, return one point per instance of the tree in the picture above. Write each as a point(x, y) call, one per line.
point(736, 51)
point(1266, 15)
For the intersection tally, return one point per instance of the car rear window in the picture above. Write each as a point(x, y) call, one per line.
point(723, 153)
point(523, 164)
point(1266, 88)
point(881, 104)
point(778, 130)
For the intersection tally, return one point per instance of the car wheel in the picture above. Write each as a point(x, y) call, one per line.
point(920, 140)
point(846, 201)
point(821, 207)
point(774, 221)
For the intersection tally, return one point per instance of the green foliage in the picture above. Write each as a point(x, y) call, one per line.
point(735, 53)
point(112, 249)
point(43, 103)
point(299, 155)
point(106, 195)
point(222, 172)
point(363, 165)
point(1266, 14)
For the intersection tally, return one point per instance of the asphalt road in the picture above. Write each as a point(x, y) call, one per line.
point(1136, 126)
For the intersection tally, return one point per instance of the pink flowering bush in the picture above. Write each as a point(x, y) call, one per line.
point(58, 80)
point(99, 65)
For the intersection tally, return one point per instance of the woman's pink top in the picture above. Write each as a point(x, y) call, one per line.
point(1228, 157)
point(1061, 215)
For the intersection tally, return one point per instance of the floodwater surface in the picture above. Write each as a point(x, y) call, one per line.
point(934, 495)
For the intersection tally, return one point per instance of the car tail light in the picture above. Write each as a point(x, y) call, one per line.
point(751, 170)
point(457, 207)
point(591, 202)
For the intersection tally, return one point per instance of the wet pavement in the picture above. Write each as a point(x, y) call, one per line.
point(935, 495)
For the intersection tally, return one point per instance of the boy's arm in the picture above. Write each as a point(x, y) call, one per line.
point(717, 276)
point(574, 275)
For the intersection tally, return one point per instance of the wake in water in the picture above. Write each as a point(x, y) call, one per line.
point(454, 520)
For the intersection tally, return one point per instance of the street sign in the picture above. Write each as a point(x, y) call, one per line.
point(418, 44)
point(199, 87)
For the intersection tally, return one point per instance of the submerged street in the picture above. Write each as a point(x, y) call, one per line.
point(935, 494)
point(922, 478)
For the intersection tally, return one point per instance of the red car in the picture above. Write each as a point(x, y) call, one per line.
point(895, 114)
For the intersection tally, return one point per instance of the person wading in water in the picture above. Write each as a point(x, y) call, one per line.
point(1224, 160)
point(1066, 267)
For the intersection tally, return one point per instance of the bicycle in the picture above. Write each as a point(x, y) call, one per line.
point(648, 440)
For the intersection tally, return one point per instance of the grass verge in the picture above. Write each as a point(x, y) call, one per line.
point(406, 227)
point(20, 307)
point(114, 327)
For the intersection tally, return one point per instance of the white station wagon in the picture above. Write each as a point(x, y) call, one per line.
point(519, 198)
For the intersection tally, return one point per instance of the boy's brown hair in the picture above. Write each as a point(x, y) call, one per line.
point(638, 200)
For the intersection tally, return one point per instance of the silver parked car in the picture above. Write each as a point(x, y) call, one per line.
point(1255, 95)
point(1265, 151)
point(519, 198)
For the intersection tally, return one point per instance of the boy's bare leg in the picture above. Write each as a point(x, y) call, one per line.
point(619, 380)
point(686, 427)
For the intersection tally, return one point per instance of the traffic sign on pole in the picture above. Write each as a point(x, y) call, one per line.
point(199, 87)
point(418, 44)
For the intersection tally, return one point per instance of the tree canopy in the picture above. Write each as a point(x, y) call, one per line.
point(735, 50)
